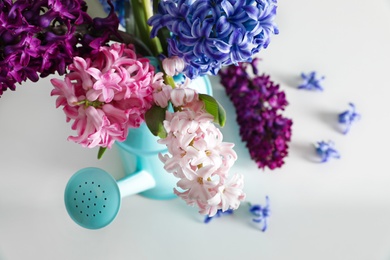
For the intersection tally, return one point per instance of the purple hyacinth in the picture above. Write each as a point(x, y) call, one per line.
point(261, 213)
point(215, 33)
point(39, 38)
point(258, 102)
point(348, 117)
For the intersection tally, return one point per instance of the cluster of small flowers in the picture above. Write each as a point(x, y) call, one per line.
point(326, 149)
point(258, 101)
point(106, 94)
point(197, 155)
point(212, 34)
point(42, 37)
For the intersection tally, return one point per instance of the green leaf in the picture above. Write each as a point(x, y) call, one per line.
point(214, 108)
point(154, 119)
point(101, 152)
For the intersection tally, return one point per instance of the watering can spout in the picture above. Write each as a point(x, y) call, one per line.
point(139, 153)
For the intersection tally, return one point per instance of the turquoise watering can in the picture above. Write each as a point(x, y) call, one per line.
point(93, 197)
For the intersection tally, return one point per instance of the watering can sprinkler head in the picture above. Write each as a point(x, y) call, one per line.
point(93, 197)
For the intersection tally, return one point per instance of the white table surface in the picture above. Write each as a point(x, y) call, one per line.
point(339, 210)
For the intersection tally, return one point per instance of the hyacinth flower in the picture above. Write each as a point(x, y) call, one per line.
point(258, 102)
point(210, 34)
point(201, 161)
point(326, 150)
point(261, 213)
point(40, 38)
point(348, 117)
point(219, 213)
point(196, 155)
point(311, 81)
point(105, 95)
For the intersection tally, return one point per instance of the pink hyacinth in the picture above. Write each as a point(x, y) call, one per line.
point(105, 94)
point(199, 158)
point(173, 65)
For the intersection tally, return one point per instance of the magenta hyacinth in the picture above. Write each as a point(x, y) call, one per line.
point(258, 102)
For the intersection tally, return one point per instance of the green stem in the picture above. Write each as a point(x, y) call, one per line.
point(148, 9)
point(129, 18)
point(169, 80)
point(156, 45)
point(87, 103)
point(142, 11)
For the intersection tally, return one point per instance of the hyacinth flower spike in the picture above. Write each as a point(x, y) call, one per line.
point(258, 102)
point(326, 150)
point(261, 214)
point(311, 81)
point(40, 38)
point(208, 35)
point(348, 117)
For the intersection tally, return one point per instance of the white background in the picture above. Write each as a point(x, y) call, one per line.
point(339, 210)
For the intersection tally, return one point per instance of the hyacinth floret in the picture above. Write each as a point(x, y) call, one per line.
point(258, 102)
point(39, 38)
point(348, 117)
point(209, 34)
point(261, 213)
point(219, 213)
point(311, 81)
point(326, 150)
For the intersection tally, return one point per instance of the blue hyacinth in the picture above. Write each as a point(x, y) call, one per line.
point(326, 150)
point(311, 81)
point(209, 34)
point(261, 214)
point(348, 117)
point(218, 214)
